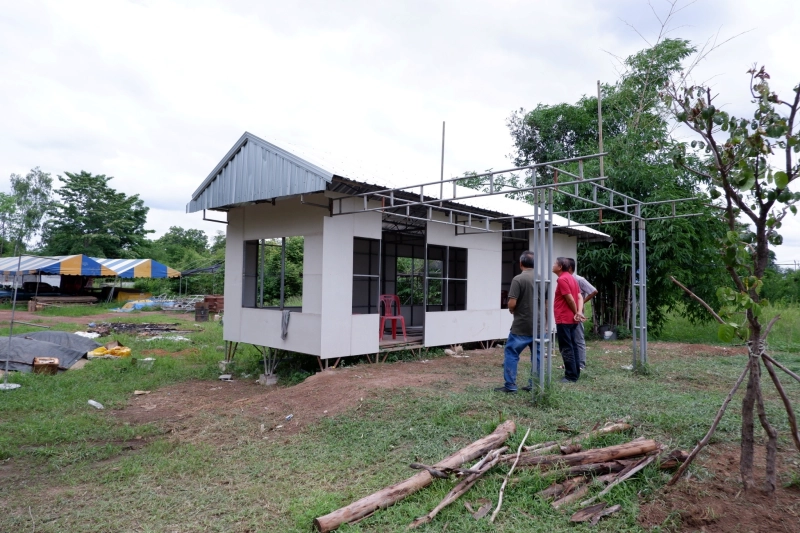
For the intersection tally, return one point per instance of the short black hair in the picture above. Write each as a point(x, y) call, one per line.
point(571, 267)
point(526, 259)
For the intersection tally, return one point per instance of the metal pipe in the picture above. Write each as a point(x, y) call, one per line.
point(467, 197)
point(496, 172)
point(283, 269)
point(441, 171)
point(549, 285)
point(6, 386)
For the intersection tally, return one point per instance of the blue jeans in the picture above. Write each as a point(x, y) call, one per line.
point(515, 344)
point(569, 350)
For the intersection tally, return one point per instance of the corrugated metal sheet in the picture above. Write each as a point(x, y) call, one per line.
point(255, 170)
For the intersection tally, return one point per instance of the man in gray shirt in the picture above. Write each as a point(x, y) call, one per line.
point(587, 293)
point(521, 299)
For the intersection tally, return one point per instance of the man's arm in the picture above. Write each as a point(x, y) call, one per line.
point(590, 296)
point(512, 304)
point(571, 303)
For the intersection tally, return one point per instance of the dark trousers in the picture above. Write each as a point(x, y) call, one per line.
point(569, 350)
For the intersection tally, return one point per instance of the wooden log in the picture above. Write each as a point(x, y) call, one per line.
point(394, 493)
point(596, 455)
point(543, 448)
point(557, 490)
point(596, 469)
point(486, 464)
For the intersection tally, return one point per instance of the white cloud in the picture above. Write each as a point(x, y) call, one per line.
point(155, 93)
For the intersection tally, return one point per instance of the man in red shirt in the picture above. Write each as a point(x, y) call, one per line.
point(565, 309)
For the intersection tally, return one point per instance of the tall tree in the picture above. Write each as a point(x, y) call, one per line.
point(637, 139)
point(94, 219)
point(750, 163)
point(7, 209)
point(32, 195)
point(183, 246)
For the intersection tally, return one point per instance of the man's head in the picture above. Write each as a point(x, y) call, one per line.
point(571, 266)
point(526, 259)
point(561, 265)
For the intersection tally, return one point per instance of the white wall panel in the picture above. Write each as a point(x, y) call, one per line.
point(263, 327)
point(455, 327)
point(337, 285)
point(364, 334)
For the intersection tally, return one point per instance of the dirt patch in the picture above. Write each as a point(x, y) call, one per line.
point(324, 394)
point(25, 316)
point(716, 503)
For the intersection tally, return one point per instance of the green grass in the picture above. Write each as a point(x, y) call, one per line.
point(223, 473)
point(785, 336)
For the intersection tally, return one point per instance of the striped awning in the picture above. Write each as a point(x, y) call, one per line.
point(138, 268)
point(64, 265)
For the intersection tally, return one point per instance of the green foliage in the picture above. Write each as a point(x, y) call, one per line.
point(733, 155)
point(781, 286)
point(637, 139)
point(94, 219)
point(30, 203)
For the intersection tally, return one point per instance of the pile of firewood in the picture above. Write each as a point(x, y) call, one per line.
point(575, 472)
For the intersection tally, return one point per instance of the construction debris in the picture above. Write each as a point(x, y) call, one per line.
point(577, 472)
point(131, 328)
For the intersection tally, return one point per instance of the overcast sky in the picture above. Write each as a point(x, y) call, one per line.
point(155, 93)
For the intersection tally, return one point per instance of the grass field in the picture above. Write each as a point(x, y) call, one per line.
point(67, 467)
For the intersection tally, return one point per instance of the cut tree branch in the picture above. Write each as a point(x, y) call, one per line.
point(697, 298)
point(505, 481)
point(702, 443)
point(786, 403)
point(776, 363)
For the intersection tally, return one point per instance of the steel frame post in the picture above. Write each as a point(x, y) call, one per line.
point(634, 293)
point(541, 367)
point(642, 293)
point(639, 289)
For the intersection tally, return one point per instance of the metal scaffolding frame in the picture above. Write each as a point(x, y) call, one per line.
point(411, 202)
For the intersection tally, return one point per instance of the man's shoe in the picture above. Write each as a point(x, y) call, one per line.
point(503, 389)
point(527, 389)
point(565, 380)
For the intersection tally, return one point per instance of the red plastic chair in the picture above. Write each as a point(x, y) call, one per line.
point(386, 301)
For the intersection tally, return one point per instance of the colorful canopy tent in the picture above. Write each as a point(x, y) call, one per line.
point(65, 265)
point(138, 268)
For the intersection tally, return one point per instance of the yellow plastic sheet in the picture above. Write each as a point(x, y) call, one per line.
point(117, 351)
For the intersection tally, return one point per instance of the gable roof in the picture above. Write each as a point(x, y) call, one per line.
point(255, 170)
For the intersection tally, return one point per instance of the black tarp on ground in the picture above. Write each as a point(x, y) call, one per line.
point(68, 347)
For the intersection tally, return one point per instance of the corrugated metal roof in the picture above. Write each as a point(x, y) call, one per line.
point(342, 168)
point(255, 170)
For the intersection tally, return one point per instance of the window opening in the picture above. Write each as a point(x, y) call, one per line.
point(366, 276)
point(447, 278)
point(273, 273)
point(513, 246)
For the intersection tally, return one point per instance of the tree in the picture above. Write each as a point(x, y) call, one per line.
point(183, 246)
point(94, 219)
point(7, 208)
point(749, 162)
point(32, 196)
point(637, 139)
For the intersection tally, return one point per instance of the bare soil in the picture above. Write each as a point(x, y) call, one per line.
point(716, 502)
point(324, 394)
point(25, 316)
point(713, 503)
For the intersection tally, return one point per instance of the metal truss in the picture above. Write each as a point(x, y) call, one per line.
point(411, 203)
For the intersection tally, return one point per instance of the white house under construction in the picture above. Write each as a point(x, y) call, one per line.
point(446, 252)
